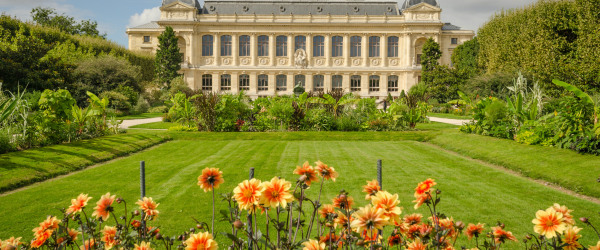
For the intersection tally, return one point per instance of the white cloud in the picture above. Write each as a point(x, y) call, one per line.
point(148, 15)
point(22, 8)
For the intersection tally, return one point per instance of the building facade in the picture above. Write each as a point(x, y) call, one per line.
point(267, 47)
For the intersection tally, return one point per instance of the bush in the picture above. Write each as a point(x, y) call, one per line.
point(142, 106)
point(119, 102)
point(319, 119)
point(5, 142)
point(159, 109)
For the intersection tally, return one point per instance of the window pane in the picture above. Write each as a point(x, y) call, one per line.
point(318, 82)
point(263, 46)
point(281, 46)
point(226, 45)
point(393, 83)
point(374, 83)
point(244, 82)
point(336, 82)
point(263, 83)
point(374, 46)
point(244, 45)
point(225, 82)
point(207, 82)
point(392, 46)
point(207, 45)
point(337, 46)
point(300, 79)
point(454, 40)
point(300, 43)
point(355, 83)
point(318, 46)
point(355, 46)
point(281, 83)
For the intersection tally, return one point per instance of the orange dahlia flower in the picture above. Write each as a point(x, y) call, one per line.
point(143, 246)
point(371, 188)
point(148, 206)
point(210, 178)
point(276, 193)
point(88, 244)
point(326, 210)
point(308, 171)
point(72, 236)
point(108, 237)
point(343, 201)
point(501, 236)
point(424, 187)
point(474, 230)
point(201, 241)
point(416, 245)
point(566, 212)
point(341, 220)
point(333, 238)
point(596, 247)
point(394, 240)
point(423, 198)
point(571, 237)
point(104, 206)
point(247, 194)
point(11, 243)
point(313, 245)
point(413, 219)
point(369, 218)
point(328, 173)
point(78, 204)
point(136, 223)
point(548, 223)
point(49, 224)
point(389, 204)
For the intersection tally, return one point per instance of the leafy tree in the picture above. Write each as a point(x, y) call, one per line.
point(168, 57)
point(49, 17)
point(430, 59)
point(464, 59)
point(444, 83)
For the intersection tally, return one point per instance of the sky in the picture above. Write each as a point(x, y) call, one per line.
point(115, 16)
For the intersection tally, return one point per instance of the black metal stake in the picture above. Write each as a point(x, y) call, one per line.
point(379, 174)
point(250, 236)
point(143, 189)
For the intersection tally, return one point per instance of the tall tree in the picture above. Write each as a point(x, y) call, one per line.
point(464, 59)
point(49, 17)
point(168, 57)
point(430, 59)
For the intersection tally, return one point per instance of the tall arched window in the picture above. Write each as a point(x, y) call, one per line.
point(318, 46)
point(300, 79)
point(207, 45)
point(263, 82)
point(318, 82)
point(226, 82)
point(392, 46)
point(281, 49)
point(226, 45)
point(182, 47)
point(392, 83)
point(337, 46)
point(355, 46)
point(263, 46)
point(207, 82)
point(299, 43)
point(244, 45)
point(373, 83)
point(281, 82)
point(374, 46)
point(244, 82)
point(355, 83)
point(336, 82)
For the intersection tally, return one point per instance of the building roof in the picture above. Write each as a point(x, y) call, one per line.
point(150, 25)
point(409, 3)
point(449, 26)
point(194, 3)
point(301, 7)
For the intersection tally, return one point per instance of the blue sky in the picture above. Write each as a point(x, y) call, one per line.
point(114, 16)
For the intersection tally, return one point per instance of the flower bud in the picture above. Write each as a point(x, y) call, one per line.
point(360, 243)
point(302, 178)
point(328, 224)
point(119, 200)
point(584, 219)
point(437, 191)
point(528, 237)
point(181, 237)
point(192, 230)
point(460, 225)
point(136, 213)
point(198, 226)
point(159, 236)
point(238, 224)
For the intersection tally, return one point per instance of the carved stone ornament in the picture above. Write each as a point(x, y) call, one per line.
point(226, 61)
point(319, 62)
point(423, 16)
point(208, 61)
point(375, 62)
point(263, 61)
point(394, 62)
point(338, 62)
point(245, 61)
point(356, 62)
point(283, 61)
point(300, 58)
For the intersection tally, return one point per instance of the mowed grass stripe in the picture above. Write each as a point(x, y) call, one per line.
point(471, 192)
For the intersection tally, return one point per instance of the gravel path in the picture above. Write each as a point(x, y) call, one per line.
point(129, 123)
point(449, 121)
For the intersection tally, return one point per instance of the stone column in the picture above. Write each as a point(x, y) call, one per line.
point(365, 50)
point(309, 49)
point(364, 85)
point(235, 55)
point(346, 50)
point(327, 82)
point(346, 83)
point(216, 83)
point(290, 83)
point(327, 50)
point(253, 54)
point(217, 49)
point(272, 44)
point(235, 83)
point(309, 82)
point(383, 84)
point(290, 50)
point(408, 48)
point(384, 47)
point(253, 83)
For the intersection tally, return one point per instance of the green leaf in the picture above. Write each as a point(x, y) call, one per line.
point(576, 91)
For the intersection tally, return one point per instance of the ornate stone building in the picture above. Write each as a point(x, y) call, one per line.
point(266, 47)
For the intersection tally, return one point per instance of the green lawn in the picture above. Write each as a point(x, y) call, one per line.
point(140, 116)
point(450, 116)
point(18, 169)
point(156, 125)
point(471, 192)
point(560, 166)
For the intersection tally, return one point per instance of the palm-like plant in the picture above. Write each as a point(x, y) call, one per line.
point(328, 100)
point(99, 106)
point(80, 117)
